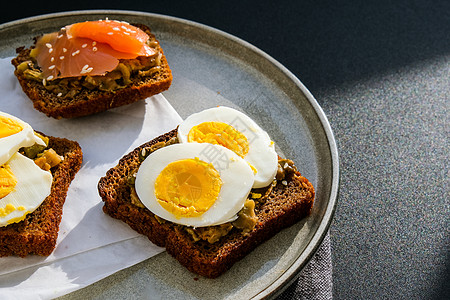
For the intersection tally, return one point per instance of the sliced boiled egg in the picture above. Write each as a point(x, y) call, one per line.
point(194, 184)
point(236, 131)
point(23, 187)
point(15, 134)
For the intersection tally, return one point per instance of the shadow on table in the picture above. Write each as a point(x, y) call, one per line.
point(325, 42)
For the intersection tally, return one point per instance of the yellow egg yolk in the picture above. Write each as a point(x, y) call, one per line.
point(9, 127)
point(7, 181)
point(9, 208)
point(188, 187)
point(219, 133)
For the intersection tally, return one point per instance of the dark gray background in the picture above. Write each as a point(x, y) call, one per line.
point(381, 72)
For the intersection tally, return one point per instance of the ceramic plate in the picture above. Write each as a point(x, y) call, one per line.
point(211, 67)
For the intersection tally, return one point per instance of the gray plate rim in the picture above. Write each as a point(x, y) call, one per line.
point(292, 273)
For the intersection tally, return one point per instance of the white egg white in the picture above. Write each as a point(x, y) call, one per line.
point(11, 144)
point(261, 155)
point(33, 186)
point(235, 173)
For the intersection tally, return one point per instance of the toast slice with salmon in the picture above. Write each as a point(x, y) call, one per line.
point(60, 92)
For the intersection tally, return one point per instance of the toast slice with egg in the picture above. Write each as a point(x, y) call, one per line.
point(286, 201)
point(38, 232)
point(84, 94)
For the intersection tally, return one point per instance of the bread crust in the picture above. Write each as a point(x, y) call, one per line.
point(285, 205)
point(95, 101)
point(38, 232)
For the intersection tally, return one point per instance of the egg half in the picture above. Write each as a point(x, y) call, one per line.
point(194, 184)
point(23, 187)
point(236, 131)
point(15, 134)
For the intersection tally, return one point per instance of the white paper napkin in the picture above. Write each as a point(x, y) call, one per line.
point(91, 245)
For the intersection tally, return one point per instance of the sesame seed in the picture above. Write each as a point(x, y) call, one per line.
point(84, 46)
point(61, 57)
point(59, 36)
point(94, 49)
point(51, 67)
point(50, 50)
point(52, 59)
point(50, 77)
point(64, 50)
point(124, 27)
point(116, 28)
point(284, 182)
point(86, 69)
point(127, 33)
point(110, 33)
point(94, 43)
point(48, 45)
point(59, 94)
point(75, 53)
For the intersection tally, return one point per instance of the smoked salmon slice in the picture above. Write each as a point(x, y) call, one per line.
point(121, 36)
point(87, 48)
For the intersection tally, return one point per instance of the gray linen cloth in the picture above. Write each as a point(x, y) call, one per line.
point(315, 280)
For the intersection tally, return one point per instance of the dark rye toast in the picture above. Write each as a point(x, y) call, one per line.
point(38, 232)
point(93, 100)
point(286, 203)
